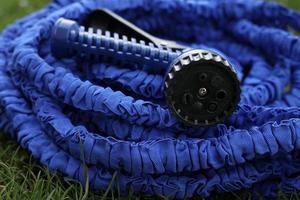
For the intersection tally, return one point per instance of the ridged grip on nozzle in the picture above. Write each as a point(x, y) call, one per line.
point(68, 37)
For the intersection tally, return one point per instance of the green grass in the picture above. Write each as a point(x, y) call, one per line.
point(295, 4)
point(10, 10)
point(21, 177)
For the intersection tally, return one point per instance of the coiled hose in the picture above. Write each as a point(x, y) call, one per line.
point(70, 114)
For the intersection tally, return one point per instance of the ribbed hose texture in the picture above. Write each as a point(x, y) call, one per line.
point(71, 113)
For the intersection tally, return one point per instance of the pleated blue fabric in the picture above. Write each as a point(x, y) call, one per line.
point(70, 114)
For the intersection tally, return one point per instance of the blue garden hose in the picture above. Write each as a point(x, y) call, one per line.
point(72, 113)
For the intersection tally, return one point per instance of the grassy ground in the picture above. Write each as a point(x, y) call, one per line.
point(21, 177)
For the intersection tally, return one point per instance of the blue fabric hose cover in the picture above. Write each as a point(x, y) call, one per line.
point(70, 114)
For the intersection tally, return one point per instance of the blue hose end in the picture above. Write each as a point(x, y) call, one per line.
point(61, 37)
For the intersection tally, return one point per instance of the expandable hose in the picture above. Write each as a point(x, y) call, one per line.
point(70, 113)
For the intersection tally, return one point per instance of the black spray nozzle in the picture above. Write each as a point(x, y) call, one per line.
point(201, 86)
